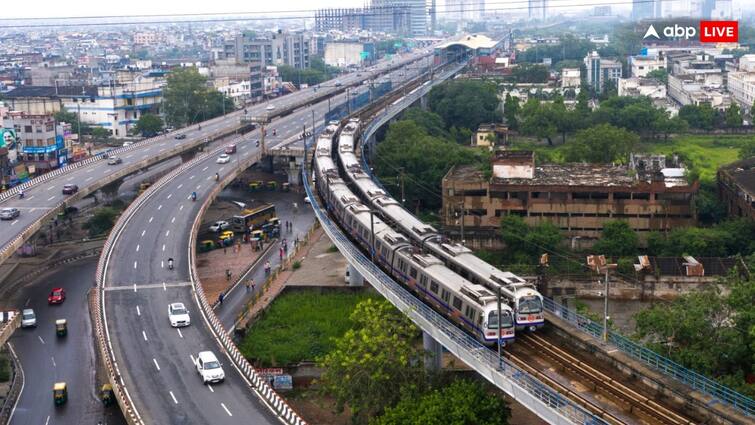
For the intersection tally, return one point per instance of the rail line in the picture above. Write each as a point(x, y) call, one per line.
point(631, 402)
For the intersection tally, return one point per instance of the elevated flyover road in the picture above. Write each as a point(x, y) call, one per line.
point(44, 198)
point(154, 362)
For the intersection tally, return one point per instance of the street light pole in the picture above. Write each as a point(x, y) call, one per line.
point(500, 360)
point(605, 309)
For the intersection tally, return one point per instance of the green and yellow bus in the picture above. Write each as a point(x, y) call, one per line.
point(252, 218)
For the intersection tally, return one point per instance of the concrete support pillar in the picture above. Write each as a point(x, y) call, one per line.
point(433, 352)
point(355, 278)
point(110, 190)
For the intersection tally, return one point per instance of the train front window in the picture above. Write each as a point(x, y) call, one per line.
point(530, 305)
point(493, 319)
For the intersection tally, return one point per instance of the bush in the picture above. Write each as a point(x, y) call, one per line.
point(332, 248)
point(5, 369)
point(296, 265)
point(102, 221)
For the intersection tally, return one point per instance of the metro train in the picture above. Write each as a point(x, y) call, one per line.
point(525, 300)
point(472, 307)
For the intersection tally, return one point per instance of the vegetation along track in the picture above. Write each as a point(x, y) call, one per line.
point(634, 406)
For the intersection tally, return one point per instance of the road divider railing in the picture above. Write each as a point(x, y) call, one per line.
point(258, 384)
point(16, 386)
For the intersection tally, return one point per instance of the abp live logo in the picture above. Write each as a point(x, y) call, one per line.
point(719, 31)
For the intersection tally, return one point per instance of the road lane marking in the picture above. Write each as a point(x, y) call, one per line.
point(134, 264)
point(169, 196)
point(40, 339)
point(210, 387)
point(50, 198)
point(179, 333)
point(53, 362)
point(50, 188)
point(205, 168)
point(165, 288)
point(181, 208)
point(180, 186)
point(167, 232)
point(30, 198)
point(159, 207)
point(172, 220)
point(147, 286)
point(47, 421)
point(163, 247)
point(162, 264)
point(28, 300)
point(144, 232)
point(144, 334)
point(14, 222)
point(88, 178)
point(173, 397)
point(194, 362)
point(138, 312)
point(191, 177)
point(158, 368)
point(199, 186)
point(151, 218)
point(226, 409)
point(221, 169)
point(137, 248)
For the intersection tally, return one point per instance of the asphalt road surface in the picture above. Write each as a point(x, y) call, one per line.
point(47, 358)
point(40, 198)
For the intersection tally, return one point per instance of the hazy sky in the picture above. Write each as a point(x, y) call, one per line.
point(64, 8)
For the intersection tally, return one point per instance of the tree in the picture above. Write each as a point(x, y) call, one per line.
point(188, 100)
point(465, 103)
point(702, 117)
point(733, 116)
point(101, 222)
point(659, 74)
point(149, 125)
point(430, 121)
point(707, 331)
point(529, 73)
point(528, 242)
point(617, 239)
point(747, 151)
point(373, 363)
point(100, 134)
point(602, 143)
point(63, 115)
point(539, 120)
point(460, 403)
point(583, 103)
point(510, 111)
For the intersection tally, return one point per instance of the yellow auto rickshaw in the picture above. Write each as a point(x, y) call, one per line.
point(60, 393)
point(61, 327)
point(106, 395)
point(206, 245)
point(286, 187)
point(275, 221)
point(255, 185)
point(272, 185)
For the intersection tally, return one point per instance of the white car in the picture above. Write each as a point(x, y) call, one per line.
point(178, 315)
point(209, 367)
point(125, 144)
point(219, 225)
point(270, 107)
point(306, 200)
point(224, 159)
point(28, 318)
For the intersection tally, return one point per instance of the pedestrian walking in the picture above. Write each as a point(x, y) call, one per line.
point(280, 253)
point(252, 284)
point(247, 285)
point(267, 268)
point(227, 274)
point(220, 298)
point(296, 242)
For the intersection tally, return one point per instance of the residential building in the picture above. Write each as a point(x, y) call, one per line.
point(347, 53)
point(650, 87)
point(146, 38)
point(238, 91)
point(736, 187)
point(39, 147)
point(641, 66)
point(599, 70)
point(697, 89)
point(465, 10)
point(537, 9)
point(570, 77)
point(277, 48)
point(642, 9)
point(490, 136)
point(340, 19)
point(387, 11)
point(741, 83)
point(650, 193)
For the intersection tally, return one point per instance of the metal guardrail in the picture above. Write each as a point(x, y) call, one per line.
point(660, 363)
point(539, 398)
point(17, 385)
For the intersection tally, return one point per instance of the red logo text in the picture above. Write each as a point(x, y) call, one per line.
point(719, 31)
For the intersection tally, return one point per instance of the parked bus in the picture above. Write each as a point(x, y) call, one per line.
point(252, 218)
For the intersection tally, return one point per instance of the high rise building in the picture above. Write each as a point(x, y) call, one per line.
point(601, 70)
point(643, 9)
point(417, 14)
point(465, 10)
point(538, 9)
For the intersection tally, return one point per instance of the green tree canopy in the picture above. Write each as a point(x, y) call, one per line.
point(617, 239)
point(149, 125)
point(373, 363)
point(188, 99)
point(707, 331)
point(101, 222)
point(460, 403)
point(529, 242)
point(529, 73)
point(510, 111)
point(424, 159)
point(733, 116)
point(602, 143)
point(465, 103)
point(659, 74)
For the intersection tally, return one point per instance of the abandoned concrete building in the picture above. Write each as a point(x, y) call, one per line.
point(736, 188)
point(650, 193)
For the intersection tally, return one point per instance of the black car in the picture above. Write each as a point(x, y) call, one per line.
point(70, 189)
point(179, 136)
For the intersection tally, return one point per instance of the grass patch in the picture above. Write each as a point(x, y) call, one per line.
point(332, 248)
point(705, 153)
point(300, 326)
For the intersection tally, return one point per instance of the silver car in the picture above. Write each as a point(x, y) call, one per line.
point(9, 213)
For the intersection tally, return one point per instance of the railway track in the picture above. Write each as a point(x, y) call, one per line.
point(634, 407)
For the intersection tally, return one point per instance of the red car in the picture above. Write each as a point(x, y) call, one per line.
point(57, 296)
